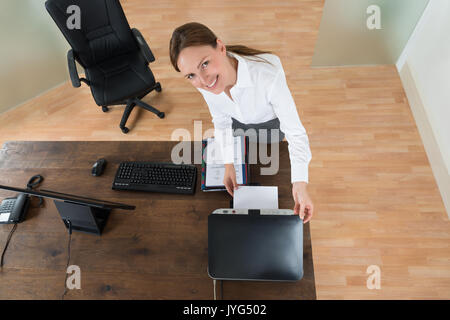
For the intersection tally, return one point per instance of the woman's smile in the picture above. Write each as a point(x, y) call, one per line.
point(213, 84)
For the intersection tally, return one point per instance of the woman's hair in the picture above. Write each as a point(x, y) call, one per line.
point(196, 34)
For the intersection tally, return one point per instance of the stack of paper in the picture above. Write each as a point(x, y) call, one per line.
point(213, 168)
point(255, 197)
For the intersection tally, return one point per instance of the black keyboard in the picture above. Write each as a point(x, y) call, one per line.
point(156, 177)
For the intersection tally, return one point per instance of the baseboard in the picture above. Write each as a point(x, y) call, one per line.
point(431, 146)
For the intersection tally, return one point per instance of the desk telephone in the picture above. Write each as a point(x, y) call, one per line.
point(13, 210)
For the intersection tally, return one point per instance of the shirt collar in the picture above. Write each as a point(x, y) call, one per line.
point(243, 76)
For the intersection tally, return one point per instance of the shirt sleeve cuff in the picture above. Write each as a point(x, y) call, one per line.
point(299, 172)
point(228, 153)
point(226, 143)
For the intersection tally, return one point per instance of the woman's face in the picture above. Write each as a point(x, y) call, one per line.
point(206, 67)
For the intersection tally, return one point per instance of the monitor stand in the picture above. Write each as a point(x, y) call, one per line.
point(83, 218)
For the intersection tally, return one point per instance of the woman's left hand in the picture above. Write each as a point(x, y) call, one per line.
point(303, 204)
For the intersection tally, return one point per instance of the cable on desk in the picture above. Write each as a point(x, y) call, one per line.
point(7, 243)
point(33, 184)
point(221, 289)
point(68, 258)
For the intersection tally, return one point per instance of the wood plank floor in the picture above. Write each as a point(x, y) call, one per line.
point(377, 202)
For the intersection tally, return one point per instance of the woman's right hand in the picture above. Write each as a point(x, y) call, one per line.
point(229, 178)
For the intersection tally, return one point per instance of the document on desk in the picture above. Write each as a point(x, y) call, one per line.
point(255, 197)
point(215, 169)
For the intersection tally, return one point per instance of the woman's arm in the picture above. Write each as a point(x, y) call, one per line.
point(284, 107)
point(223, 134)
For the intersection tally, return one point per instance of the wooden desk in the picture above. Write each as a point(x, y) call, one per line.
point(158, 251)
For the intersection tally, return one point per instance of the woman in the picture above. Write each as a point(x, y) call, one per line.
point(244, 88)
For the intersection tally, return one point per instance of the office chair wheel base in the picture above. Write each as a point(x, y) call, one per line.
point(158, 87)
point(105, 109)
point(125, 130)
point(161, 115)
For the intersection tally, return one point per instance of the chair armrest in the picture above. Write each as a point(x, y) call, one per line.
point(73, 69)
point(143, 46)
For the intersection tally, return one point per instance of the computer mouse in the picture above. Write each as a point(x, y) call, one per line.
point(98, 167)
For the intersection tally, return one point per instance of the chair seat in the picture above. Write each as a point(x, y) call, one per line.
point(116, 79)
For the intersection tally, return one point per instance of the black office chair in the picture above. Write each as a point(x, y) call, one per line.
point(115, 58)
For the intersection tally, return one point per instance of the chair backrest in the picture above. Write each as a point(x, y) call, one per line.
point(104, 30)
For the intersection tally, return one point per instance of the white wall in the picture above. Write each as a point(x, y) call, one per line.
point(424, 68)
point(345, 39)
point(32, 52)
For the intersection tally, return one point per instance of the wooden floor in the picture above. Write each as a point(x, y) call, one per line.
point(377, 202)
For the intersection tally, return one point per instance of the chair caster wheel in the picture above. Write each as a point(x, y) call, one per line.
point(161, 115)
point(105, 109)
point(125, 130)
point(158, 87)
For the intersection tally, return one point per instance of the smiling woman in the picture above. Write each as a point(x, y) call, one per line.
point(193, 41)
point(245, 89)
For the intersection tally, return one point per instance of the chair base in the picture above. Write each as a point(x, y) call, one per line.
point(131, 103)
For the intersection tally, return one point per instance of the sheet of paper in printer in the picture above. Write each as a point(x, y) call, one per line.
point(255, 197)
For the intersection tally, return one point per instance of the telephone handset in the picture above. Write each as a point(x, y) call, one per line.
point(14, 210)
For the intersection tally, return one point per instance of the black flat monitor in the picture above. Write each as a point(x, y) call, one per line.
point(82, 213)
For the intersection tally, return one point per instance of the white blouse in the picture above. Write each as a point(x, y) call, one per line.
point(259, 95)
